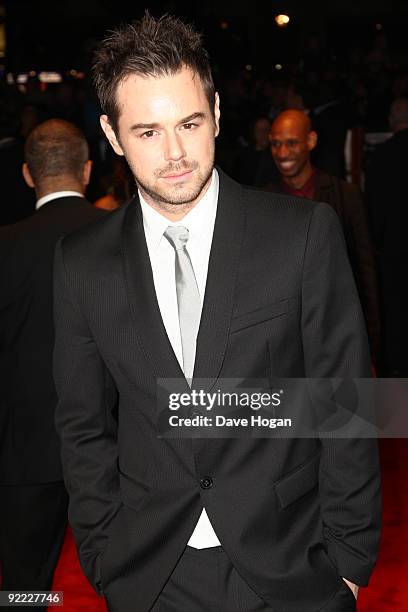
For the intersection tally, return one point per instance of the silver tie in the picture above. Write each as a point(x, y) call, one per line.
point(188, 297)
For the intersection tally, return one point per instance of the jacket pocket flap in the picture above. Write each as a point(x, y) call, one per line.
point(304, 479)
point(133, 492)
point(260, 315)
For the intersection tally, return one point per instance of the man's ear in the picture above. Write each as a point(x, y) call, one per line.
point(312, 140)
point(110, 134)
point(27, 176)
point(217, 113)
point(86, 173)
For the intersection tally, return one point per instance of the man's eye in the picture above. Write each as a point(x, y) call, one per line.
point(189, 126)
point(275, 144)
point(148, 134)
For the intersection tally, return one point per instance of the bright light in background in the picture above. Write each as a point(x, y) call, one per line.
point(248, 67)
point(49, 77)
point(76, 74)
point(44, 76)
point(278, 66)
point(378, 26)
point(282, 20)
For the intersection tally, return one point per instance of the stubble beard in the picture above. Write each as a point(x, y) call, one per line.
point(178, 197)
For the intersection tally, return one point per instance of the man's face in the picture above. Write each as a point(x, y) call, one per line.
point(290, 146)
point(166, 131)
point(261, 133)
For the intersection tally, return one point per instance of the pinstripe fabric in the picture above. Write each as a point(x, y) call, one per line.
point(135, 497)
point(206, 581)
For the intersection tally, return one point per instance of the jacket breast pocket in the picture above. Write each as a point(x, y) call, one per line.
point(292, 487)
point(260, 315)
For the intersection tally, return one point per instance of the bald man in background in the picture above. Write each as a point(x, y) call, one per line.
point(292, 140)
point(33, 508)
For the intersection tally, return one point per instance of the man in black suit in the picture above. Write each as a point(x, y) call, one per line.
point(33, 508)
point(386, 198)
point(195, 282)
point(292, 142)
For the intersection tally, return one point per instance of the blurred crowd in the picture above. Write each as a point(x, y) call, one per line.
point(338, 93)
point(365, 89)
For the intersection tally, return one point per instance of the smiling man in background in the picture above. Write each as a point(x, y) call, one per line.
point(198, 278)
point(292, 140)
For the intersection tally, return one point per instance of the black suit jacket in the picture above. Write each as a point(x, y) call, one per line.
point(386, 196)
point(29, 446)
point(294, 515)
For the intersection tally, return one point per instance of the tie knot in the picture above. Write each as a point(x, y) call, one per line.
point(177, 235)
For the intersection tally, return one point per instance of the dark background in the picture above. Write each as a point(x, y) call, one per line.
point(59, 35)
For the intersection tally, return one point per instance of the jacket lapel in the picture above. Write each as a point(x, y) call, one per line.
point(221, 278)
point(142, 298)
point(219, 294)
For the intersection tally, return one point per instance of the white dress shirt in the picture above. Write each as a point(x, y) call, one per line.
point(200, 224)
point(57, 194)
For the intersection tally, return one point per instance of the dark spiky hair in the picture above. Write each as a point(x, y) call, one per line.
point(152, 48)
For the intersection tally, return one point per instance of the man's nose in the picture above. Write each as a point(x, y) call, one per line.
point(174, 149)
point(283, 151)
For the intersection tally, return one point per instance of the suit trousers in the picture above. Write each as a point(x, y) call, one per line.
point(206, 581)
point(33, 519)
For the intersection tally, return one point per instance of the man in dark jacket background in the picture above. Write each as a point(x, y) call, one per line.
point(386, 197)
point(292, 141)
point(33, 509)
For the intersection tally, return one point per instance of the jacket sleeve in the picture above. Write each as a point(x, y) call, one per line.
point(335, 346)
point(85, 424)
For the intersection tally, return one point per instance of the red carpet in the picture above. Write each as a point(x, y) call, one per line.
point(68, 578)
point(388, 591)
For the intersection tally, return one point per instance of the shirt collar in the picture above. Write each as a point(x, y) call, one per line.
point(197, 220)
point(56, 194)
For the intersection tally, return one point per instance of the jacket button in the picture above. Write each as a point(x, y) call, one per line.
point(206, 483)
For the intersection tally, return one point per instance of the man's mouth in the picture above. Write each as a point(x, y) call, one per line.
point(177, 176)
point(286, 165)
